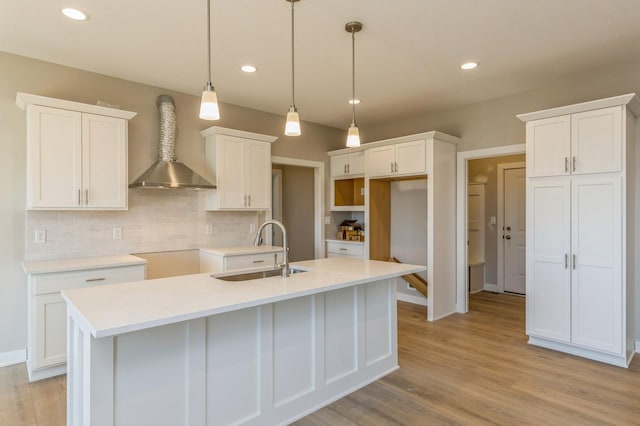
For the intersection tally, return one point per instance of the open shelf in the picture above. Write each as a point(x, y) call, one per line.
point(348, 194)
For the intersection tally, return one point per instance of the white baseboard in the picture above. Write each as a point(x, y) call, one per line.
point(13, 357)
point(476, 291)
point(417, 300)
point(491, 287)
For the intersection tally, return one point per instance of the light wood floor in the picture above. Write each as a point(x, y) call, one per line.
point(465, 369)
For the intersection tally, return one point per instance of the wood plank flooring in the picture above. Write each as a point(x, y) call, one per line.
point(472, 369)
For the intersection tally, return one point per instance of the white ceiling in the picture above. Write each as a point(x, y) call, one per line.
point(407, 54)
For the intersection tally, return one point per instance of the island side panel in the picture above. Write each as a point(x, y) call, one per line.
point(270, 364)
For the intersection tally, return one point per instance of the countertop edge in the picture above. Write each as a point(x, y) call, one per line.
point(80, 264)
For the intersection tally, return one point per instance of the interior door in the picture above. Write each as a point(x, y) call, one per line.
point(514, 231)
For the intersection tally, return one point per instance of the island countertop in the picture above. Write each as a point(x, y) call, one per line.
point(121, 308)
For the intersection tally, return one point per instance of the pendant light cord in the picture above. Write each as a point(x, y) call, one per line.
point(353, 74)
point(209, 37)
point(293, 74)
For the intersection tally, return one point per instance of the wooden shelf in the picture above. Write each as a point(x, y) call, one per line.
point(348, 192)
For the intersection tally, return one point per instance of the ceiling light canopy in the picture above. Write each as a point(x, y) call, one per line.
point(248, 68)
point(353, 134)
point(209, 104)
point(469, 66)
point(292, 127)
point(75, 14)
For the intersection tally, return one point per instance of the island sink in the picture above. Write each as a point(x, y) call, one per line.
point(254, 275)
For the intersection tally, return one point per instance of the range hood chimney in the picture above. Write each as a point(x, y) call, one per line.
point(167, 173)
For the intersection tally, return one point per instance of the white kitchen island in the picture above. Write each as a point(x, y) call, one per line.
point(195, 350)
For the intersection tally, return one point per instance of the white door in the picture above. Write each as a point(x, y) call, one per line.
point(548, 242)
point(356, 163)
point(339, 165)
point(549, 146)
point(230, 173)
point(410, 158)
point(104, 161)
point(51, 330)
point(380, 161)
point(596, 141)
point(257, 162)
point(514, 242)
point(596, 279)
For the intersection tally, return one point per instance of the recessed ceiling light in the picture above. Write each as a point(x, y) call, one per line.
point(469, 66)
point(354, 101)
point(248, 68)
point(75, 14)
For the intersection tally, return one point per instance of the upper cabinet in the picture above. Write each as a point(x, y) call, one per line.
point(407, 158)
point(347, 165)
point(76, 155)
point(580, 143)
point(241, 164)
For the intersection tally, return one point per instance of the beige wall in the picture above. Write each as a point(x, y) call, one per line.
point(20, 74)
point(485, 170)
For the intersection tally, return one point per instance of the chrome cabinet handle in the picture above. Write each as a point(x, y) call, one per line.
point(244, 201)
point(249, 200)
point(345, 169)
point(574, 261)
point(79, 198)
point(573, 163)
point(396, 167)
point(89, 280)
point(392, 167)
point(259, 261)
point(566, 261)
point(86, 197)
point(343, 249)
point(566, 164)
point(348, 168)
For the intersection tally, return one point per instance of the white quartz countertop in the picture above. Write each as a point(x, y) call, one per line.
point(238, 251)
point(115, 309)
point(76, 264)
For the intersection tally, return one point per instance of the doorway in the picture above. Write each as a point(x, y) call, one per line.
point(491, 218)
point(298, 202)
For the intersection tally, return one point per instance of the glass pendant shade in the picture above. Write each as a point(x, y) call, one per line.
point(209, 105)
point(292, 128)
point(353, 136)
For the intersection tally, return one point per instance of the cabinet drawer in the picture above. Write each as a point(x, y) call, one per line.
point(54, 282)
point(345, 249)
point(251, 261)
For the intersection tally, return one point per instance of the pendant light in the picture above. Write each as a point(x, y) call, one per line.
point(209, 104)
point(353, 135)
point(292, 128)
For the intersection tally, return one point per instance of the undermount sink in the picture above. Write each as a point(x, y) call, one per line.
point(254, 275)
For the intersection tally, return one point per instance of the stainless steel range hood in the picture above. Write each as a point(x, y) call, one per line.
point(167, 173)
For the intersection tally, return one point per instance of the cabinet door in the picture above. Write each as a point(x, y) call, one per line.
point(104, 162)
point(596, 284)
point(356, 163)
point(548, 249)
point(51, 330)
point(54, 173)
point(596, 141)
point(230, 172)
point(257, 162)
point(380, 161)
point(411, 158)
point(339, 165)
point(549, 146)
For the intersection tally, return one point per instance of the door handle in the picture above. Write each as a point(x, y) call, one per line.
point(345, 169)
point(348, 168)
point(508, 237)
point(566, 164)
point(249, 200)
point(574, 261)
point(566, 261)
point(508, 228)
point(396, 167)
point(573, 163)
point(86, 197)
point(392, 167)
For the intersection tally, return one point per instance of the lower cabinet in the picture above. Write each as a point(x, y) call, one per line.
point(220, 261)
point(337, 248)
point(47, 313)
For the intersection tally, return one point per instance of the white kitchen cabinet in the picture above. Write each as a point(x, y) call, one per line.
point(47, 312)
point(351, 164)
point(579, 267)
point(336, 248)
point(241, 164)
point(580, 143)
point(76, 155)
point(407, 158)
point(224, 260)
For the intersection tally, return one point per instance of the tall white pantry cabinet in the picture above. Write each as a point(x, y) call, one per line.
point(581, 228)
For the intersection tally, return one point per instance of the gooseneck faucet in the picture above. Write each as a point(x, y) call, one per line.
point(285, 248)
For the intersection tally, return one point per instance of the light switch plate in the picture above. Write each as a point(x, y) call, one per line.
point(117, 233)
point(40, 236)
point(327, 220)
point(209, 229)
point(493, 220)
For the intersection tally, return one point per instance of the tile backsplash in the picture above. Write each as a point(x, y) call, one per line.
point(157, 220)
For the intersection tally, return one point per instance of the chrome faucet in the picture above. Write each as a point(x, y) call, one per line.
point(285, 248)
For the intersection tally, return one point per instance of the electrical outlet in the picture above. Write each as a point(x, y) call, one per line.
point(40, 236)
point(327, 220)
point(252, 228)
point(208, 229)
point(117, 233)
